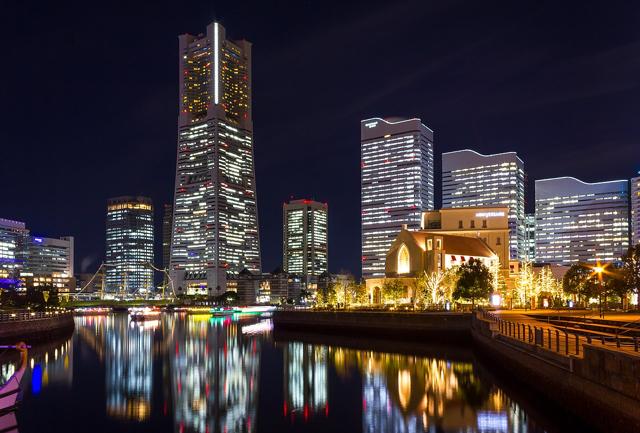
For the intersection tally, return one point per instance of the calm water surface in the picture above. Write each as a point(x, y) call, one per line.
point(208, 375)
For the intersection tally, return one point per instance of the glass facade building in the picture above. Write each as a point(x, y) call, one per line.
point(215, 215)
point(129, 245)
point(530, 237)
point(635, 211)
point(13, 239)
point(581, 222)
point(396, 184)
point(470, 179)
point(305, 244)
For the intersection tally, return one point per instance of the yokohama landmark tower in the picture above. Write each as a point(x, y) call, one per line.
point(215, 217)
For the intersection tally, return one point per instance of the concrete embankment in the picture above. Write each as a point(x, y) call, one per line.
point(434, 327)
point(602, 386)
point(37, 329)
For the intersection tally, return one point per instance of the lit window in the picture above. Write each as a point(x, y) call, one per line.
point(438, 244)
point(429, 244)
point(403, 260)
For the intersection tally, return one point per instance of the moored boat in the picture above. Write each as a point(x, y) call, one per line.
point(10, 390)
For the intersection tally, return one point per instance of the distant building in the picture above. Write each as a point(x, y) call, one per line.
point(92, 283)
point(215, 212)
point(491, 224)
point(129, 245)
point(530, 237)
point(578, 221)
point(167, 223)
point(305, 242)
point(396, 184)
point(470, 179)
point(635, 211)
point(13, 240)
point(50, 263)
point(266, 288)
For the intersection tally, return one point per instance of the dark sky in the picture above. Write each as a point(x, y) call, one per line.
point(88, 99)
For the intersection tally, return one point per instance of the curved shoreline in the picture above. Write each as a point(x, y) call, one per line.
point(38, 329)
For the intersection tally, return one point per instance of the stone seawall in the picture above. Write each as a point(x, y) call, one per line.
point(41, 329)
point(437, 327)
point(601, 387)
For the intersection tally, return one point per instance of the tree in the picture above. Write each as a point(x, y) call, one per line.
point(548, 284)
point(631, 269)
point(525, 285)
point(474, 281)
point(577, 281)
point(435, 288)
point(393, 291)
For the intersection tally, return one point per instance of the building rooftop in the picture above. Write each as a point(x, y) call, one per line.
point(456, 245)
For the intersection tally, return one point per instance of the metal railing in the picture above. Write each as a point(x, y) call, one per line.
point(26, 315)
point(556, 340)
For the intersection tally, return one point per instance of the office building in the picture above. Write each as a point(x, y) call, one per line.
point(396, 184)
point(13, 239)
point(167, 223)
point(635, 211)
point(49, 263)
point(530, 237)
point(215, 215)
point(304, 241)
point(129, 251)
point(581, 222)
point(470, 179)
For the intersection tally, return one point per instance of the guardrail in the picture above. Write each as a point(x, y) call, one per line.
point(557, 340)
point(26, 315)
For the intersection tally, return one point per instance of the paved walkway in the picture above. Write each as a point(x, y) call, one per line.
point(559, 341)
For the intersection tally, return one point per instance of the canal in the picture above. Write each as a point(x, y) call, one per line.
point(194, 373)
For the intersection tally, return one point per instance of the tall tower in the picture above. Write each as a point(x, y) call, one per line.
point(578, 221)
point(470, 179)
point(129, 245)
point(304, 243)
point(396, 184)
point(635, 211)
point(215, 214)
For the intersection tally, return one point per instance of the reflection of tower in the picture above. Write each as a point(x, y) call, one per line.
point(214, 377)
point(305, 379)
point(128, 369)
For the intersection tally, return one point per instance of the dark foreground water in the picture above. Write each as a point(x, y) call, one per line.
point(200, 374)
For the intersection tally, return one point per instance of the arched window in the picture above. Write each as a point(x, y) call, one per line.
point(404, 260)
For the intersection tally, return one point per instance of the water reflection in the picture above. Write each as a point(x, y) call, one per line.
point(189, 373)
point(305, 380)
point(214, 376)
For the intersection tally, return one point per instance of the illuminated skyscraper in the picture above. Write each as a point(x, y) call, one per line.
point(470, 179)
point(129, 245)
point(581, 222)
point(13, 239)
point(215, 216)
point(530, 237)
point(396, 184)
point(304, 243)
point(635, 211)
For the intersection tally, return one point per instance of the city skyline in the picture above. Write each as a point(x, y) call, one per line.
point(571, 129)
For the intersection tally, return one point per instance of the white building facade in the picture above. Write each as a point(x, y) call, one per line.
point(635, 211)
point(583, 222)
point(470, 179)
point(305, 243)
point(396, 184)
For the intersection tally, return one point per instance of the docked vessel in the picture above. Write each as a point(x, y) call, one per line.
point(10, 390)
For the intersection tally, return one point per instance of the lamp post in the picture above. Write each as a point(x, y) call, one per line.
point(598, 270)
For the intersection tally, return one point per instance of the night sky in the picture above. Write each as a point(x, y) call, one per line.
point(88, 96)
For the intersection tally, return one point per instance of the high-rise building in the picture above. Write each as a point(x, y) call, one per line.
point(13, 239)
point(396, 184)
point(129, 245)
point(49, 262)
point(470, 179)
point(304, 242)
point(581, 222)
point(167, 223)
point(635, 211)
point(215, 215)
point(530, 237)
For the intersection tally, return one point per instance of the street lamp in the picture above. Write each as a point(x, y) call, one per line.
point(598, 270)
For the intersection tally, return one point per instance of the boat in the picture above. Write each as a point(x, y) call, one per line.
point(8, 422)
point(256, 309)
point(10, 390)
point(92, 311)
point(144, 313)
point(218, 312)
